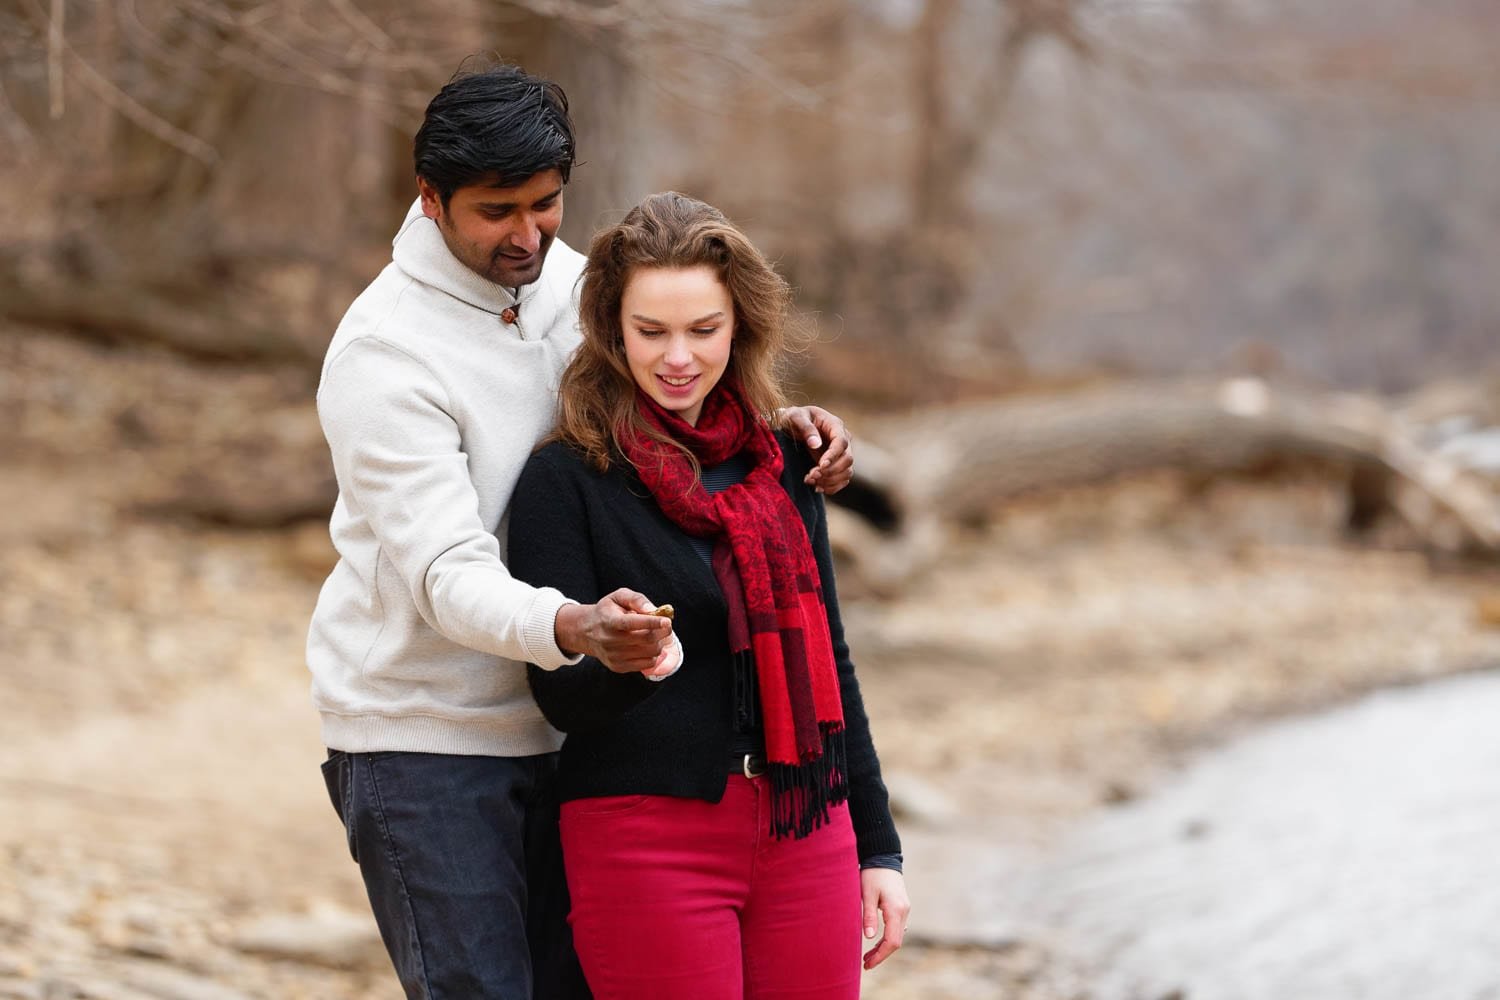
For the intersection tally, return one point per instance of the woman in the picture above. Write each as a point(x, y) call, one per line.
point(725, 828)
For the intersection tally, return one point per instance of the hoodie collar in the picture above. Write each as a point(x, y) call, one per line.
point(419, 250)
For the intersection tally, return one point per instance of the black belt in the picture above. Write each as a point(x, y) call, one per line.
point(751, 765)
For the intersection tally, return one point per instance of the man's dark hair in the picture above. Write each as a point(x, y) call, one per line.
point(497, 125)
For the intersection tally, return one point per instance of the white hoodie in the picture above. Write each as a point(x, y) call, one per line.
point(432, 404)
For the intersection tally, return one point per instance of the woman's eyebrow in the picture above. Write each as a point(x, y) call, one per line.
point(656, 322)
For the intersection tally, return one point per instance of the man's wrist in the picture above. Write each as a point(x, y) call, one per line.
point(567, 629)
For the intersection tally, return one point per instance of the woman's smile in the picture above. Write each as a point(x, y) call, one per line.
point(678, 383)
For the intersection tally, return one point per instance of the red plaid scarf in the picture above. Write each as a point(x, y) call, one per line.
point(764, 564)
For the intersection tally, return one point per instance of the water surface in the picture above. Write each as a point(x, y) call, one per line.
point(1353, 855)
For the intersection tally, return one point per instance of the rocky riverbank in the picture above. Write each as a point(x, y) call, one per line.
point(164, 832)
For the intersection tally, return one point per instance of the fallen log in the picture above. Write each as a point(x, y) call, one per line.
point(919, 474)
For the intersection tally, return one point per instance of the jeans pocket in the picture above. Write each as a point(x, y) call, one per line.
point(338, 777)
point(605, 805)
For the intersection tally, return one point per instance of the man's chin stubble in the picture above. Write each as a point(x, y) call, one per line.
point(511, 279)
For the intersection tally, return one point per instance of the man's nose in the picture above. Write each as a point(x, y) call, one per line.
point(528, 235)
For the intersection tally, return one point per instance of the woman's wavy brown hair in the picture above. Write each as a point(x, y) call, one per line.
point(667, 230)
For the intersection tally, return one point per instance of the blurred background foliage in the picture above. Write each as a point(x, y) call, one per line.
point(965, 192)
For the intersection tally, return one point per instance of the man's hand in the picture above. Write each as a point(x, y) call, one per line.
point(828, 440)
point(617, 631)
point(883, 891)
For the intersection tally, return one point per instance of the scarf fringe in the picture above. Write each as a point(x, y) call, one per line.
point(802, 794)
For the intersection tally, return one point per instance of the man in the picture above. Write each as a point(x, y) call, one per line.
point(438, 384)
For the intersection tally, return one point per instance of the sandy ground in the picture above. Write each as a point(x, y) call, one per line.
point(164, 831)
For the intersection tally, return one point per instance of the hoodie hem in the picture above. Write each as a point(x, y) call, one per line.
point(430, 734)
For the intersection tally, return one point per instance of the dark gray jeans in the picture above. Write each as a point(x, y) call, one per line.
point(462, 863)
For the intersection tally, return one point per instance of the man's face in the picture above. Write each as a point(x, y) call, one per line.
point(500, 233)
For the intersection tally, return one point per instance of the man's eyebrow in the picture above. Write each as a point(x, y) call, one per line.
point(697, 322)
point(496, 205)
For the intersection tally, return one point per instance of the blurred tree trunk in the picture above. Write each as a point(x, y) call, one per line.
point(942, 154)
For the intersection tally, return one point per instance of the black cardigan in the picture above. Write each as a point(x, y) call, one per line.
point(587, 534)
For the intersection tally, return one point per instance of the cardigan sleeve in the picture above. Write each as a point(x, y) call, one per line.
point(550, 545)
point(869, 802)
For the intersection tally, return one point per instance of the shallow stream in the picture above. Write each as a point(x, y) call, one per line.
point(1352, 855)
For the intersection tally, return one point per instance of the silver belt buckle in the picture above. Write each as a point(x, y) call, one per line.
point(754, 765)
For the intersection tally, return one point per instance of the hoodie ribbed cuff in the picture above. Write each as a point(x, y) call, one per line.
point(540, 631)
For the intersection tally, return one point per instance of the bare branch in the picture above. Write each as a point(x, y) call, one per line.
point(55, 43)
point(135, 112)
point(118, 100)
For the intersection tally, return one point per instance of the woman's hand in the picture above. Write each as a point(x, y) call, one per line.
point(828, 440)
point(883, 891)
point(667, 663)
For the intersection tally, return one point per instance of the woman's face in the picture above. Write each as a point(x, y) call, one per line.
point(678, 324)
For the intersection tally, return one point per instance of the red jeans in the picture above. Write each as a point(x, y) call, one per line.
point(681, 899)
